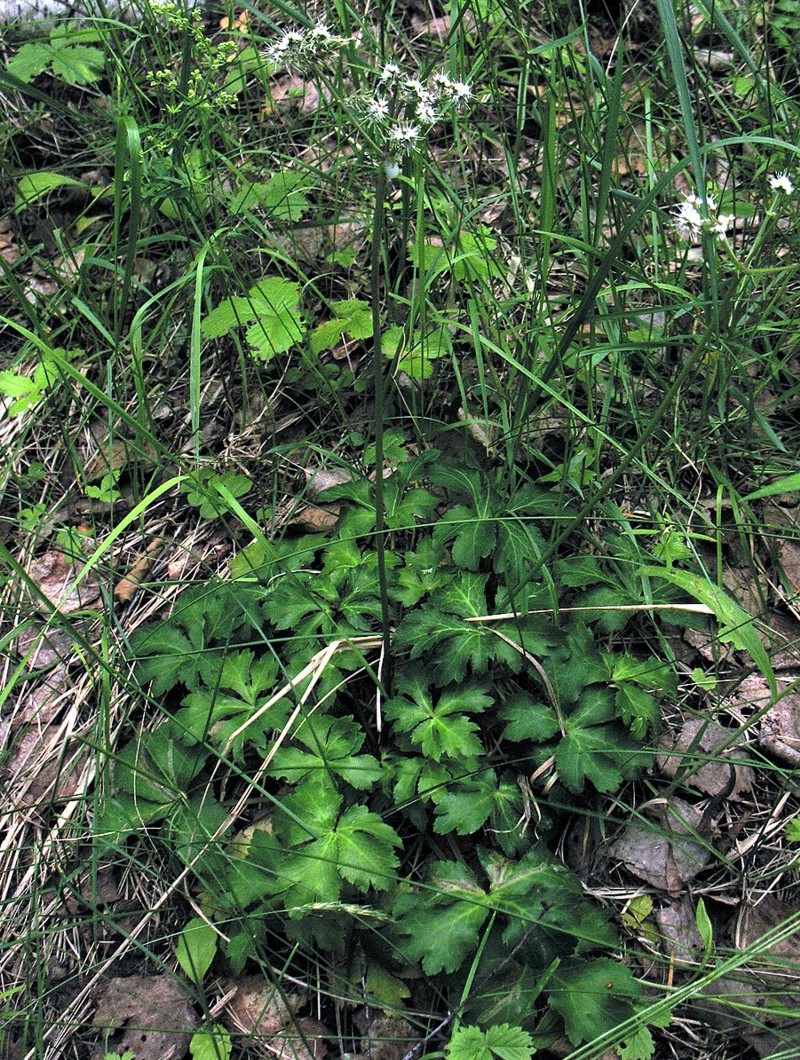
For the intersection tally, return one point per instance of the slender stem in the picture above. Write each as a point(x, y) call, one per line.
point(379, 376)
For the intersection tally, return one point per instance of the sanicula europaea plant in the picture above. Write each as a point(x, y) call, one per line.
point(366, 731)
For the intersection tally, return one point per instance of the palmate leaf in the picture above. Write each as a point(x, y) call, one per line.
point(356, 846)
point(467, 804)
point(31, 60)
point(443, 928)
point(500, 1040)
point(331, 745)
point(78, 64)
point(473, 533)
point(603, 754)
point(365, 849)
point(439, 729)
point(271, 308)
point(592, 996)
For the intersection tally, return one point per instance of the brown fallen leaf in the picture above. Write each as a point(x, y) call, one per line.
point(54, 576)
point(760, 1002)
point(127, 587)
point(677, 923)
point(267, 1017)
point(150, 1016)
point(714, 777)
point(42, 768)
point(664, 853)
point(385, 1037)
point(780, 730)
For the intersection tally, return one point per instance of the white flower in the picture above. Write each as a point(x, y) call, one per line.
point(781, 182)
point(426, 112)
point(378, 109)
point(460, 93)
point(441, 83)
point(390, 72)
point(721, 225)
point(392, 169)
point(417, 88)
point(688, 219)
point(321, 32)
point(404, 135)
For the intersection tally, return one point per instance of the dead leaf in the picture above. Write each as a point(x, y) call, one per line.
point(266, 1016)
point(440, 27)
point(150, 1016)
point(42, 768)
point(707, 644)
point(677, 923)
point(127, 587)
point(314, 518)
point(780, 730)
point(665, 852)
point(324, 478)
point(750, 1002)
point(714, 777)
point(385, 1037)
point(297, 93)
point(54, 575)
point(9, 251)
point(741, 583)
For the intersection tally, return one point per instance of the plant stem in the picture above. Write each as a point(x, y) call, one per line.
point(380, 411)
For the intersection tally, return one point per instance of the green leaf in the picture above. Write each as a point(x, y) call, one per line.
point(602, 754)
point(527, 720)
point(704, 926)
point(472, 531)
point(78, 64)
point(788, 484)
point(35, 186)
point(166, 657)
point(500, 1040)
point(592, 996)
point(278, 324)
point(272, 306)
point(191, 829)
point(365, 855)
point(331, 745)
point(736, 626)
point(440, 730)
point(232, 313)
point(467, 805)
point(792, 831)
point(30, 61)
point(638, 710)
point(443, 929)
point(211, 1043)
point(326, 335)
point(352, 317)
point(202, 490)
point(285, 196)
point(637, 1046)
point(196, 949)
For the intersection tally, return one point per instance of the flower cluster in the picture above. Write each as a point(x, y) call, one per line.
point(694, 216)
point(199, 97)
point(305, 49)
point(403, 109)
point(780, 182)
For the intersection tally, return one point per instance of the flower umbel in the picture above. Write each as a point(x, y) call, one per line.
point(693, 216)
point(688, 219)
point(781, 182)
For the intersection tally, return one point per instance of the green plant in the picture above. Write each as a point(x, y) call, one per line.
point(68, 54)
point(483, 695)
